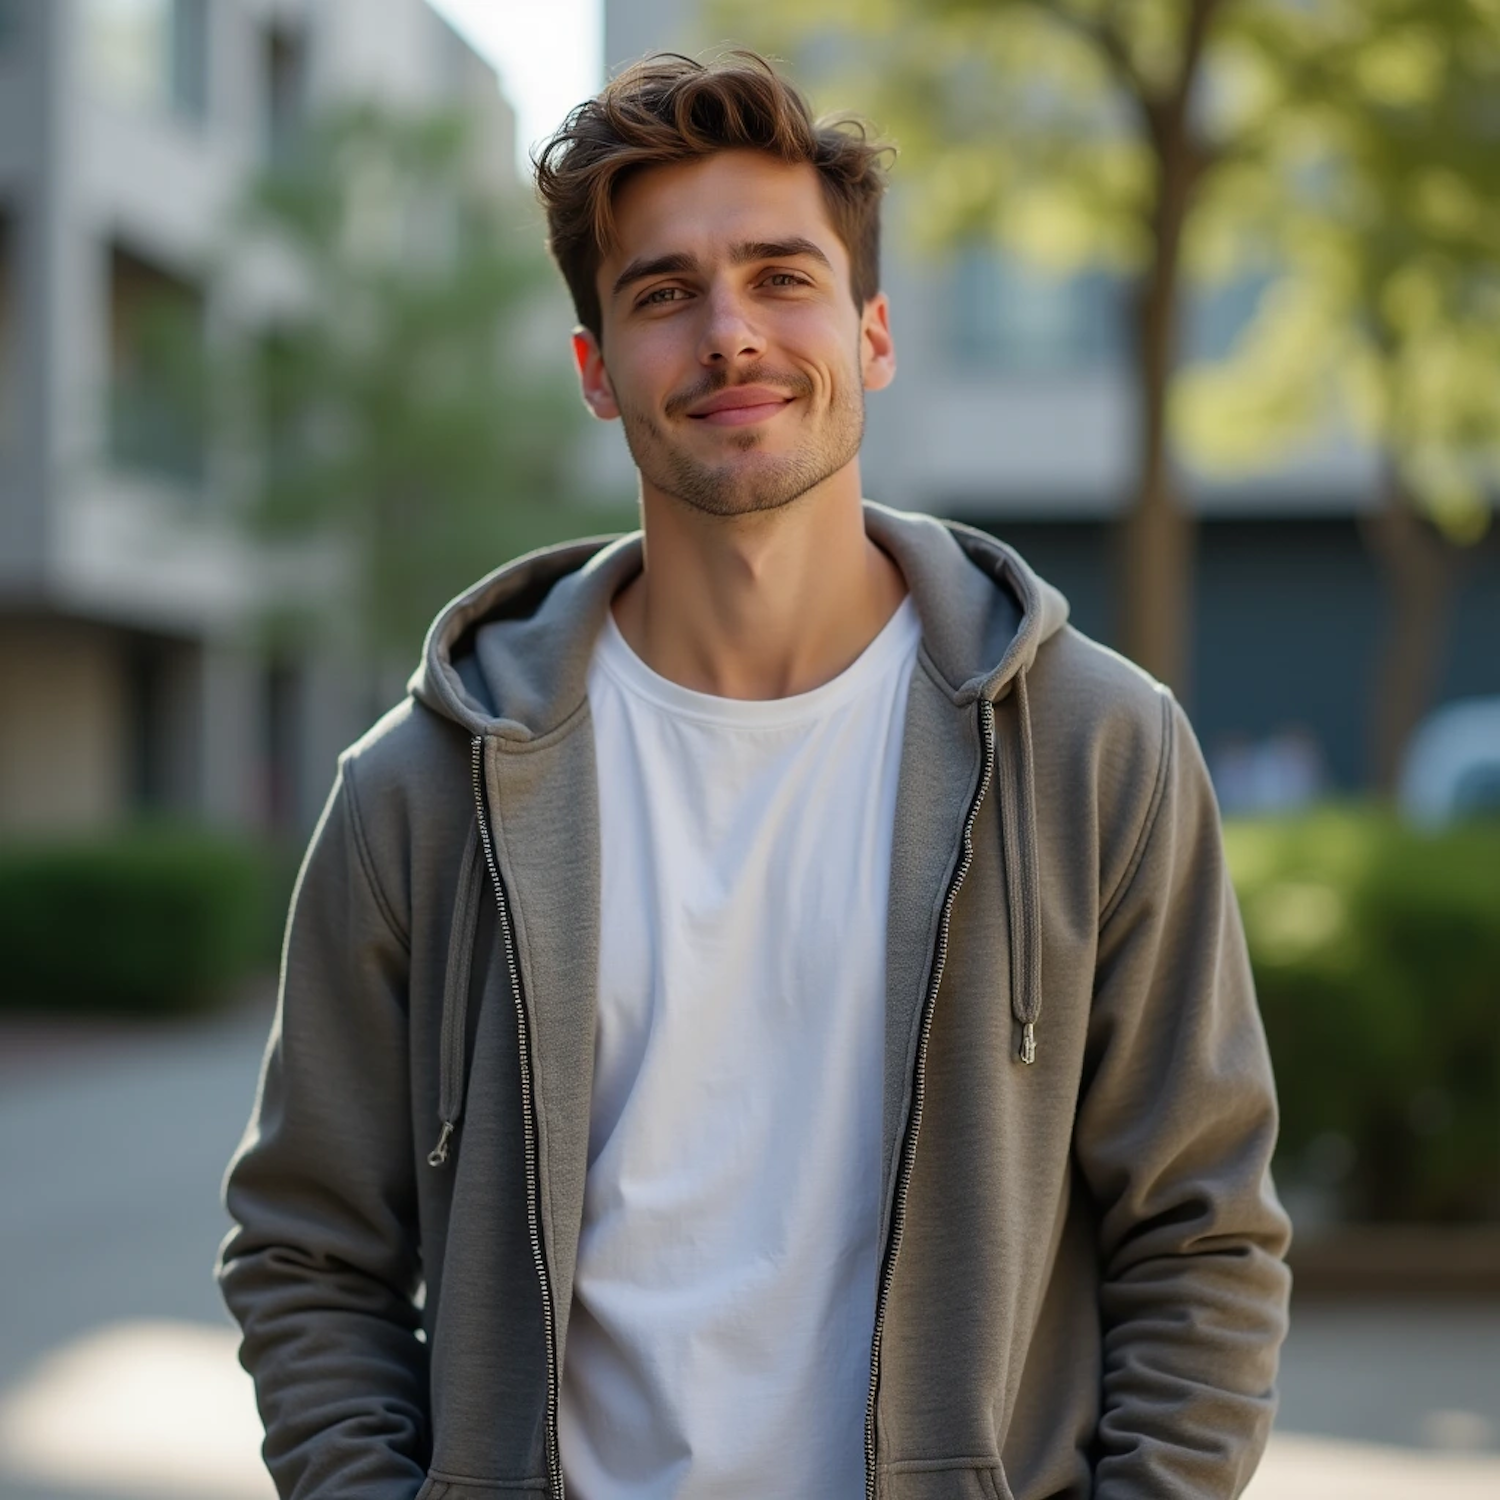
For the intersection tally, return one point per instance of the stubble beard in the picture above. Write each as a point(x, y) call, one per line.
point(741, 486)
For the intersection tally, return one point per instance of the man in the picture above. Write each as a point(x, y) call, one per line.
point(768, 1016)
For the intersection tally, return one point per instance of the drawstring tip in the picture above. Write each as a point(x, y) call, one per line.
point(1028, 1043)
point(439, 1153)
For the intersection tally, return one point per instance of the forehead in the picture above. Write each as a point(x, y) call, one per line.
point(704, 207)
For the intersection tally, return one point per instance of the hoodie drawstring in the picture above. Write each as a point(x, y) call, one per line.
point(454, 1035)
point(1022, 871)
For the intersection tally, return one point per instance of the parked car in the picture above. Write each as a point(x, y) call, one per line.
point(1452, 766)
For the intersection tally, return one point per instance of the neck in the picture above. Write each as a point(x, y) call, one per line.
point(763, 605)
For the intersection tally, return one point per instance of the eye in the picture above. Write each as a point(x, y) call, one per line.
point(658, 296)
point(786, 278)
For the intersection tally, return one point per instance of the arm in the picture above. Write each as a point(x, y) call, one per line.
point(322, 1264)
point(1174, 1135)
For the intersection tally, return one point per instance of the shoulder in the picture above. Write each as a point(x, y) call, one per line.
point(1092, 689)
point(402, 751)
point(407, 783)
point(1105, 734)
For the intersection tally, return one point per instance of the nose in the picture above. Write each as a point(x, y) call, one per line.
point(729, 335)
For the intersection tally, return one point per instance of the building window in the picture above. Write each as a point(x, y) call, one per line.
point(283, 737)
point(148, 778)
point(188, 40)
point(7, 336)
point(156, 412)
point(151, 54)
point(124, 47)
point(1006, 316)
point(285, 96)
point(284, 381)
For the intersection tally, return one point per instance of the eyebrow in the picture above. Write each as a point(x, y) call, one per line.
point(744, 253)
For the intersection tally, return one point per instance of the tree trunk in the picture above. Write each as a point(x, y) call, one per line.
point(1157, 533)
point(1420, 568)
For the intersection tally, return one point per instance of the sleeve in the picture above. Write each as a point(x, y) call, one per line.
point(1174, 1135)
point(322, 1264)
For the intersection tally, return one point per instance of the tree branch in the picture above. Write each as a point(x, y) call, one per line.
point(1105, 36)
point(1176, 136)
point(1200, 18)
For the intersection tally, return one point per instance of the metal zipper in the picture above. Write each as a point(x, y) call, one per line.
point(914, 1121)
point(528, 1120)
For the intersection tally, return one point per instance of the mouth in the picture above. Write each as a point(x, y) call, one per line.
point(741, 406)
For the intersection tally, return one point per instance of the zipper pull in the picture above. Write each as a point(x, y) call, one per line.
point(439, 1153)
point(1028, 1043)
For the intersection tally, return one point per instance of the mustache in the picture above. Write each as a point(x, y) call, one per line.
point(793, 382)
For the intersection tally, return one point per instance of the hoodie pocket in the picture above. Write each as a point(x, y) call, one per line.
point(960, 1481)
point(432, 1489)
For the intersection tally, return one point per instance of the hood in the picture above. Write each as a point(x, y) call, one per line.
point(509, 657)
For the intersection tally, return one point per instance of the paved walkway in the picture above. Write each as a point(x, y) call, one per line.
point(117, 1371)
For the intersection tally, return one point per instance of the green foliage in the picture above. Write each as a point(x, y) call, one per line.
point(1009, 117)
point(149, 921)
point(1377, 961)
point(405, 414)
point(1373, 203)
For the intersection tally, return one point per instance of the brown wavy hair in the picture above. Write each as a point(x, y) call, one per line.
point(669, 108)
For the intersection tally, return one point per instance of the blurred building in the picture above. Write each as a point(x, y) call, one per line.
point(132, 673)
point(1013, 410)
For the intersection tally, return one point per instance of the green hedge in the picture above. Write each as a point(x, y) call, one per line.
point(147, 921)
point(1376, 951)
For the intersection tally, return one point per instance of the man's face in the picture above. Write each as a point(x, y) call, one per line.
point(733, 351)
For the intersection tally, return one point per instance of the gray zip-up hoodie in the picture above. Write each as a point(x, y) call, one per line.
point(1081, 1289)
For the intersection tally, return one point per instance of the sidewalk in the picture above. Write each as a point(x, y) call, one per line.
point(1310, 1468)
point(117, 1372)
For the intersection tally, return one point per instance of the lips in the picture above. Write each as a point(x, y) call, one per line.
point(740, 405)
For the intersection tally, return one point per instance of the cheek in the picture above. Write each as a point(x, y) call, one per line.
point(828, 354)
point(631, 379)
point(655, 362)
point(821, 334)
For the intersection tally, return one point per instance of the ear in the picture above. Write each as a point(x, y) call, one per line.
point(877, 349)
point(593, 378)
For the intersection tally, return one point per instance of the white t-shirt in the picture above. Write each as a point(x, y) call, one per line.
point(719, 1339)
